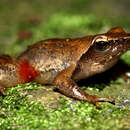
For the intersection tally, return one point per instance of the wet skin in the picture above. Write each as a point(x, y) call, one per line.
point(62, 62)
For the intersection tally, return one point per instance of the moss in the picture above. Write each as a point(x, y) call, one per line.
point(17, 113)
point(126, 58)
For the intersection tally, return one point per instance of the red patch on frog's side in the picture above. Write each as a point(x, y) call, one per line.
point(27, 72)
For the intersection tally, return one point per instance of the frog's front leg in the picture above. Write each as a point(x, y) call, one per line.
point(69, 88)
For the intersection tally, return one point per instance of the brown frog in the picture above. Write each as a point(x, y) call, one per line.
point(62, 62)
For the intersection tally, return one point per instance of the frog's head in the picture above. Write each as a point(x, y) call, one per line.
point(106, 49)
point(115, 42)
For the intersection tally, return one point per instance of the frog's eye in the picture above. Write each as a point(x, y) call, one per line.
point(102, 45)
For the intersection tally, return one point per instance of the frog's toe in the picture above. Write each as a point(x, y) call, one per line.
point(110, 100)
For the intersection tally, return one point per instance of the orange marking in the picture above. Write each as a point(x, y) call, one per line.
point(27, 72)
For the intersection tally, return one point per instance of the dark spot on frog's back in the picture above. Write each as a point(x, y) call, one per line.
point(44, 50)
point(54, 57)
point(5, 68)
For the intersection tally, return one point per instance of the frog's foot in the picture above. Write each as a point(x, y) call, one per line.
point(110, 100)
point(2, 90)
point(95, 100)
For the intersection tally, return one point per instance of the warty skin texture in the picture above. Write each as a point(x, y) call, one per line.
point(61, 62)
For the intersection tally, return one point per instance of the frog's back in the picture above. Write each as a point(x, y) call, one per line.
point(50, 57)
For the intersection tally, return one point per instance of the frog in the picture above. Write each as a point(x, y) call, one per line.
point(62, 62)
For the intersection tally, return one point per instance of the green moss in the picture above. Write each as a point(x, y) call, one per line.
point(17, 113)
point(126, 58)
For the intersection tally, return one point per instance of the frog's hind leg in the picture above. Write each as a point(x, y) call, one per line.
point(69, 88)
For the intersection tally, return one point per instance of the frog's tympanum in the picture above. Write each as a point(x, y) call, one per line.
point(62, 62)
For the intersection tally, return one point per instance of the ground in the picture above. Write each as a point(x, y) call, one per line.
point(36, 106)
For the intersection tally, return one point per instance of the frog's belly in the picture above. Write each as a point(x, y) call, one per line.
point(46, 77)
point(49, 70)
